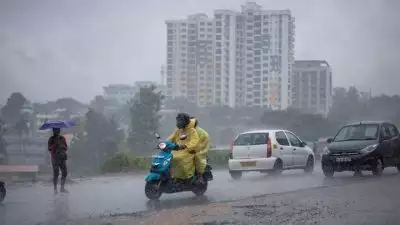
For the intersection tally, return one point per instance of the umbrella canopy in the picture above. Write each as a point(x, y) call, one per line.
point(57, 124)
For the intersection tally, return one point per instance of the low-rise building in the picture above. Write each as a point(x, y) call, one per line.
point(312, 86)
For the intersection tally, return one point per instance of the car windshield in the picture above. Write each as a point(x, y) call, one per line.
point(358, 132)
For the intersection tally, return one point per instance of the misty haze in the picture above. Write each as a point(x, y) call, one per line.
point(199, 112)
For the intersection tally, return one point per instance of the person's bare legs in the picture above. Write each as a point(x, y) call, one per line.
point(56, 173)
point(64, 173)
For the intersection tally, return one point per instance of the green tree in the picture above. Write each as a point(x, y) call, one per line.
point(145, 109)
point(99, 104)
point(103, 136)
point(3, 144)
point(11, 111)
point(97, 143)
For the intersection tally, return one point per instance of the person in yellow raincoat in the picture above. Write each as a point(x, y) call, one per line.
point(185, 135)
point(201, 150)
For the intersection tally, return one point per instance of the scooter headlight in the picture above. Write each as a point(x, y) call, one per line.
point(369, 149)
point(162, 145)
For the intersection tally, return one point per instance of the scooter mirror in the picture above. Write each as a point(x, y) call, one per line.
point(157, 135)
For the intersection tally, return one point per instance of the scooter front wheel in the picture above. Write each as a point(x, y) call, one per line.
point(152, 190)
point(3, 191)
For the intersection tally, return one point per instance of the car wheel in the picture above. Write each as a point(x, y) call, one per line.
point(236, 175)
point(310, 165)
point(3, 191)
point(358, 173)
point(328, 170)
point(377, 168)
point(278, 168)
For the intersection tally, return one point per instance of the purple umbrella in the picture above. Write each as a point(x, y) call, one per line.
point(50, 124)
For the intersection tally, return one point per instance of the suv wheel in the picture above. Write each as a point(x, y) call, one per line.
point(377, 168)
point(310, 165)
point(328, 170)
point(236, 175)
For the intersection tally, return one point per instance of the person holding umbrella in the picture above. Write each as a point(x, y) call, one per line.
point(57, 146)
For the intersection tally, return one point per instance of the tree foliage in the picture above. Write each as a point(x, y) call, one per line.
point(71, 105)
point(145, 118)
point(11, 111)
point(3, 144)
point(99, 142)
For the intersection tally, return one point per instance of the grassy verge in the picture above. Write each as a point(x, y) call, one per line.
point(128, 162)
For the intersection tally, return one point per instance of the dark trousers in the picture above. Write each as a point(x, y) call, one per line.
point(58, 165)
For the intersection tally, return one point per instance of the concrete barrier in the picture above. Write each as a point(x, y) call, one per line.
point(13, 173)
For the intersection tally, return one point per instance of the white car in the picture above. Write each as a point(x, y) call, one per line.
point(269, 151)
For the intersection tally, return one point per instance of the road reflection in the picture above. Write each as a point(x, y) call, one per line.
point(60, 211)
point(157, 205)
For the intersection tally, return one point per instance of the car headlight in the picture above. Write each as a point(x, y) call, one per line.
point(325, 151)
point(369, 149)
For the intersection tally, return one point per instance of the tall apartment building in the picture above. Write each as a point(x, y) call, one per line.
point(190, 66)
point(312, 86)
point(235, 59)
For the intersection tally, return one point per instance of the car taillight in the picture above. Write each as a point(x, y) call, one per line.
point(231, 151)
point(269, 147)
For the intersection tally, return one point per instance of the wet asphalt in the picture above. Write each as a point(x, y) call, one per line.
point(36, 204)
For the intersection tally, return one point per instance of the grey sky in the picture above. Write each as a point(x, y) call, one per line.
point(75, 47)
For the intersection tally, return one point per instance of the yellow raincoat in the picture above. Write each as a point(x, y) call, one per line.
point(183, 166)
point(202, 149)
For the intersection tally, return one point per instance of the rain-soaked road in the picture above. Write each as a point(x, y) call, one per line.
point(33, 204)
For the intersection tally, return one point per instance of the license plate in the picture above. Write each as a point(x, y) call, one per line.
point(343, 159)
point(248, 164)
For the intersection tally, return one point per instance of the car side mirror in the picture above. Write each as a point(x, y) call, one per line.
point(329, 140)
point(157, 135)
point(303, 144)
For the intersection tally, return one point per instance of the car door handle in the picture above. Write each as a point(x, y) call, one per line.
point(281, 148)
point(294, 149)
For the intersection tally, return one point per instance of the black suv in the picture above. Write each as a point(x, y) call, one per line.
point(362, 146)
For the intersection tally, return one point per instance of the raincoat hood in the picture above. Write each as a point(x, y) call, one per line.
point(191, 123)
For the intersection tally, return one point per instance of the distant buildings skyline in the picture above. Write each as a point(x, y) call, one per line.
point(233, 59)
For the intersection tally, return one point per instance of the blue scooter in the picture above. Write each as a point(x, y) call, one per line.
point(159, 180)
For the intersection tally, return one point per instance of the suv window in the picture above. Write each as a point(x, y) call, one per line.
point(281, 138)
point(294, 141)
point(393, 130)
point(251, 139)
point(357, 132)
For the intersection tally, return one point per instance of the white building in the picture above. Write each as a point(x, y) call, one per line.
point(140, 84)
point(190, 62)
point(121, 93)
point(235, 59)
point(312, 86)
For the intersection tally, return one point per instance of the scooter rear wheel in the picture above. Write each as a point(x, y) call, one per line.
point(152, 190)
point(200, 189)
point(3, 192)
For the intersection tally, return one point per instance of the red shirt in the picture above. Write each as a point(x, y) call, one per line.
point(51, 143)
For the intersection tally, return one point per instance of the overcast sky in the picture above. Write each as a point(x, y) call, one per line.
point(53, 48)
